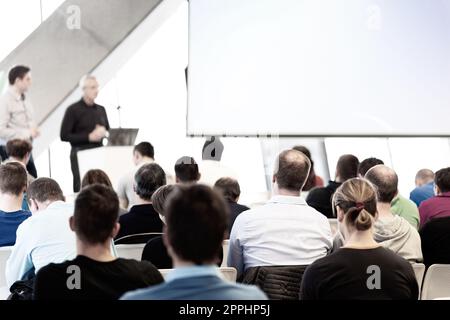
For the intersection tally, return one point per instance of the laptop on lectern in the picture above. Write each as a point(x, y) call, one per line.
point(121, 137)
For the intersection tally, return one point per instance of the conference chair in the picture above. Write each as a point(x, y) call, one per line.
point(225, 245)
point(419, 272)
point(437, 282)
point(137, 238)
point(5, 252)
point(130, 251)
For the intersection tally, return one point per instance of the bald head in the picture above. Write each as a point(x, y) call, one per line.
point(424, 176)
point(385, 180)
point(291, 170)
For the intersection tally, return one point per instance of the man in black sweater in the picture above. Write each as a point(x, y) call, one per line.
point(84, 125)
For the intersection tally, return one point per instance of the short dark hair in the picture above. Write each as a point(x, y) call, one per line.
point(159, 198)
point(13, 178)
point(186, 169)
point(95, 176)
point(17, 72)
point(212, 149)
point(303, 150)
point(367, 164)
point(347, 167)
point(96, 212)
point(385, 180)
point(229, 188)
point(291, 170)
point(147, 179)
point(45, 189)
point(18, 148)
point(196, 218)
point(442, 179)
point(145, 149)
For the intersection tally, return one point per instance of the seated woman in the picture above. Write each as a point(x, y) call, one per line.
point(362, 268)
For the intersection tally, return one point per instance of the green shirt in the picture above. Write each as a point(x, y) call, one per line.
point(407, 209)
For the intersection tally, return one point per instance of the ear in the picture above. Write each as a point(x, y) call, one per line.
point(436, 190)
point(199, 176)
point(115, 230)
point(177, 180)
point(274, 178)
point(72, 223)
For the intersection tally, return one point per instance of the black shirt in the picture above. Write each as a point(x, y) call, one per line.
point(346, 274)
point(435, 236)
point(80, 120)
point(155, 251)
point(98, 280)
point(140, 219)
point(320, 198)
point(235, 210)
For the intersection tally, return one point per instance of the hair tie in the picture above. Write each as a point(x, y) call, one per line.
point(359, 205)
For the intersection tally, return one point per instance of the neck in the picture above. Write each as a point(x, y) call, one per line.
point(22, 161)
point(139, 200)
point(178, 263)
point(98, 252)
point(88, 101)
point(361, 240)
point(17, 90)
point(145, 160)
point(338, 179)
point(10, 203)
point(384, 210)
point(285, 192)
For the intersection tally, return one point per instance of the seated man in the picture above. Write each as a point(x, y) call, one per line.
point(439, 205)
point(19, 151)
point(285, 231)
point(424, 186)
point(231, 191)
point(186, 171)
point(46, 236)
point(320, 198)
point(13, 184)
point(435, 236)
point(196, 220)
point(142, 217)
point(392, 231)
point(95, 273)
point(400, 205)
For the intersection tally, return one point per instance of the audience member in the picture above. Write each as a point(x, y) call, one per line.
point(392, 231)
point(45, 237)
point(230, 190)
point(142, 217)
point(362, 269)
point(367, 164)
point(320, 198)
point(285, 231)
point(196, 223)
point(13, 184)
point(313, 179)
point(95, 176)
point(186, 171)
point(19, 151)
point(424, 186)
point(435, 235)
point(95, 273)
point(439, 205)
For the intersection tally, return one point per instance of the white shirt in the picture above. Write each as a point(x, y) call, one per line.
point(212, 170)
point(284, 231)
point(43, 238)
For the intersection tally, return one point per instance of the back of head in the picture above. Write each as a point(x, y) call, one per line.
point(96, 213)
point(291, 170)
point(186, 170)
point(311, 181)
point(18, 149)
point(385, 180)
point(148, 179)
point(442, 180)
point(196, 220)
point(95, 176)
point(367, 164)
point(145, 149)
point(229, 188)
point(160, 196)
point(424, 176)
point(347, 167)
point(45, 189)
point(357, 198)
point(303, 150)
point(212, 149)
point(17, 72)
point(13, 178)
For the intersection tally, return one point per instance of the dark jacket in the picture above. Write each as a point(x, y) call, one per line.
point(141, 219)
point(435, 236)
point(320, 198)
point(235, 210)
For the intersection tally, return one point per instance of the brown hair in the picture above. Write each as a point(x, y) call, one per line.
point(43, 189)
point(159, 198)
point(18, 148)
point(292, 170)
point(95, 176)
point(358, 199)
point(13, 178)
point(229, 188)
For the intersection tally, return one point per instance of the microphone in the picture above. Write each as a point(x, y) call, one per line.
point(118, 111)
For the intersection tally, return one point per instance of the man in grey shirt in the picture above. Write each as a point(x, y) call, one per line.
point(16, 113)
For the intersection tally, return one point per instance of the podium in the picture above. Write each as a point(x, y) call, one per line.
point(114, 160)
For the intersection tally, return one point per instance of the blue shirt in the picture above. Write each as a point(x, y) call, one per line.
point(9, 222)
point(197, 283)
point(422, 193)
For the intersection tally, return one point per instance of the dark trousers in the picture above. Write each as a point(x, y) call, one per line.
point(74, 165)
point(31, 168)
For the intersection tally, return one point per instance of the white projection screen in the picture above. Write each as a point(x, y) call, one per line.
point(319, 67)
